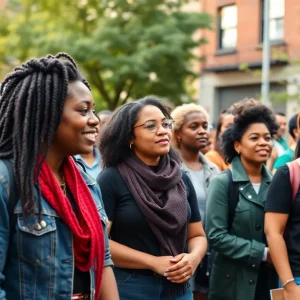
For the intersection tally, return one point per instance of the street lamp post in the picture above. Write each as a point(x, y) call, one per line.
point(265, 80)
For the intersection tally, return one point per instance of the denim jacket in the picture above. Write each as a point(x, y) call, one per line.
point(39, 264)
point(210, 170)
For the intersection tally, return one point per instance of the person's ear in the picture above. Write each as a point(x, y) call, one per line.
point(177, 137)
point(296, 133)
point(237, 147)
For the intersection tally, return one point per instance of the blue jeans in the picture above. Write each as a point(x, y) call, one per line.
point(133, 285)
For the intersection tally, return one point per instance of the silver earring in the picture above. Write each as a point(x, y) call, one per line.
point(130, 146)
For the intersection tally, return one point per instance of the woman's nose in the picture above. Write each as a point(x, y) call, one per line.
point(201, 130)
point(93, 120)
point(161, 129)
point(263, 141)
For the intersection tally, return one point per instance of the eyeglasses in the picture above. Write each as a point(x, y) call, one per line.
point(153, 126)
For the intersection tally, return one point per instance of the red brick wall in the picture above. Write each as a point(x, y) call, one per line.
point(2, 3)
point(292, 28)
point(248, 39)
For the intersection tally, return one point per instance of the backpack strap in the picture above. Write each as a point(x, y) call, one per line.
point(12, 196)
point(294, 169)
point(233, 197)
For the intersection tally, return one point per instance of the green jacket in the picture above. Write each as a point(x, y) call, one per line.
point(239, 252)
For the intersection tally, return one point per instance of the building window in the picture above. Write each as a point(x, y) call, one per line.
point(276, 29)
point(228, 27)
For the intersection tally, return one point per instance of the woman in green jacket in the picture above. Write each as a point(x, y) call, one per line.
point(242, 269)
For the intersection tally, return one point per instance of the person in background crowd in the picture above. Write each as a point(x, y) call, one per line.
point(282, 228)
point(280, 142)
point(104, 116)
point(157, 238)
point(234, 227)
point(189, 137)
point(216, 156)
point(92, 161)
point(53, 241)
point(211, 134)
point(294, 131)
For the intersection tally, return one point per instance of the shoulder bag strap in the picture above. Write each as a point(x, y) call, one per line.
point(294, 169)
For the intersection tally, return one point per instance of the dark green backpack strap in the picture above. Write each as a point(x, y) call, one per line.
point(233, 197)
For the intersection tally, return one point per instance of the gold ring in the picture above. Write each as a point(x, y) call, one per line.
point(184, 274)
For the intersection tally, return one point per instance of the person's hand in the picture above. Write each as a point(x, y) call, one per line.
point(291, 291)
point(160, 264)
point(183, 268)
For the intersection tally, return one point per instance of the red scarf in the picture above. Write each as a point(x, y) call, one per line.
point(86, 227)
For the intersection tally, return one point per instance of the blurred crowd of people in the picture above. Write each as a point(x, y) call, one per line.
point(144, 202)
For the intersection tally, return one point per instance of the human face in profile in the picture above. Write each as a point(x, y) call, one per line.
point(78, 129)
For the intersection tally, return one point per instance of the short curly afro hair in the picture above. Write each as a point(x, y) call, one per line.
point(246, 112)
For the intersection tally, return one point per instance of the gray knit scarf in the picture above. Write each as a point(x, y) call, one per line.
point(161, 196)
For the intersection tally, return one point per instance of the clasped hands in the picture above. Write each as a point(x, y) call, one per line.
point(176, 269)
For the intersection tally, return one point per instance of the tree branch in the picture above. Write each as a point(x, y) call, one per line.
point(119, 90)
point(130, 87)
point(99, 84)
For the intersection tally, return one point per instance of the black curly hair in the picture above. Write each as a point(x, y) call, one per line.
point(116, 137)
point(218, 136)
point(246, 112)
point(31, 105)
point(293, 125)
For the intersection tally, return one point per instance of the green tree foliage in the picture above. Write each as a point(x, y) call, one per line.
point(127, 49)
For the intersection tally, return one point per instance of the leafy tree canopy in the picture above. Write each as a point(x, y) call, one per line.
point(127, 49)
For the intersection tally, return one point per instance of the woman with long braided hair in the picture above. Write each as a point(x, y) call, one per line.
point(53, 241)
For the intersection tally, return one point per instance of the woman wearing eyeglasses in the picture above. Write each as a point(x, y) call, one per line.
point(157, 239)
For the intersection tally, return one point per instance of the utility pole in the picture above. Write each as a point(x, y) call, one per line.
point(265, 80)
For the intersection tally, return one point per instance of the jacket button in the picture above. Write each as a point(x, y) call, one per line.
point(227, 275)
point(253, 266)
point(251, 282)
point(37, 227)
point(249, 197)
point(43, 224)
point(258, 227)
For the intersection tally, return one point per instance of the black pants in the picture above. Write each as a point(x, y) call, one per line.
point(267, 280)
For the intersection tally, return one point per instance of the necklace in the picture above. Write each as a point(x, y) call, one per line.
point(63, 185)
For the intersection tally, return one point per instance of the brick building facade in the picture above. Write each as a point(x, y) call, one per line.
point(236, 44)
point(2, 3)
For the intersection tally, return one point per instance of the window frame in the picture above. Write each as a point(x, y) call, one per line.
point(261, 35)
point(220, 46)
